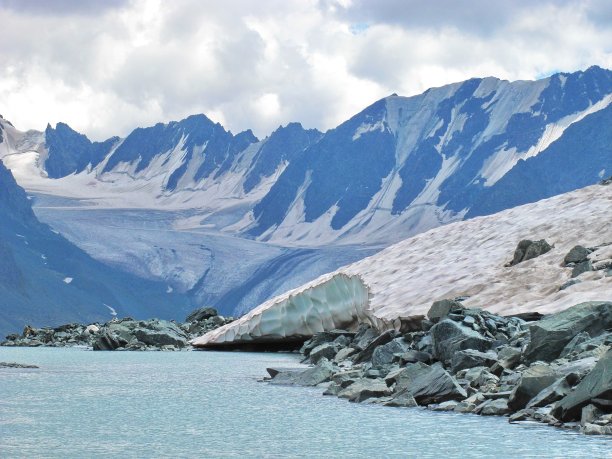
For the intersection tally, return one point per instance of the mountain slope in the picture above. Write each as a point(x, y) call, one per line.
point(45, 280)
point(441, 151)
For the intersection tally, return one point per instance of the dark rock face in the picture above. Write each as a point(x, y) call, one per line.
point(527, 249)
point(448, 337)
point(596, 388)
point(550, 335)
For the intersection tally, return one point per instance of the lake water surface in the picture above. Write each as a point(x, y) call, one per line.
point(87, 404)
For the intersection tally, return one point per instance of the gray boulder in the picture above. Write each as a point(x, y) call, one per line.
point(577, 254)
point(527, 249)
point(385, 354)
point(532, 382)
point(322, 372)
point(108, 341)
point(582, 267)
point(364, 336)
point(325, 350)
point(440, 309)
point(431, 384)
point(470, 358)
point(550, 335)
point(597, 385)
point(365, 388)
point(161, 333)
point(201, 314)
point(449, 337)
point(383, 338)
point(497, 407)
point(556, 391)
point(403, 400)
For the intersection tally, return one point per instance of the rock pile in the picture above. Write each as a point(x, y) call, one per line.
point(557, 370)
point(123, 334)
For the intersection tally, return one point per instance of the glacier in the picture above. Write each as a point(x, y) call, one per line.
point(464, 259)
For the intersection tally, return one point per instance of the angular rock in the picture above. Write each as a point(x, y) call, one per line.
point(583, 267)
point(432, 384)
point(527, 249)
point(201, 314)
point(383, 338)
point(596, 385)
point(412, 356)
point(532, 382)
point(470, 358)
point(449, 337)
point(161, 333)
point(325, 350)
point(365, 335)
point(497, 407)
point(322, 372)
point(577, 254)
point(403, 400)
point(344, 354)
point(108, 341)
point(588, 414)
point(508, 357)
point(550, 335)
point(449, 405)
point(440, 309)
point(385, 354)
point(363, 389)
point(556, 391)
point(576, 341)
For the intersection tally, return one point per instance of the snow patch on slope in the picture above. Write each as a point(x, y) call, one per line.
point(461, 259)
point(496, 166)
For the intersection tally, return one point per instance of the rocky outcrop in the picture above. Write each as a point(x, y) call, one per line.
point(122, 334)
point(472, 361)
point(550, 335)
point(527, 249)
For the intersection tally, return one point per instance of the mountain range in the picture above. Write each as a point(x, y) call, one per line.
point(230, 220)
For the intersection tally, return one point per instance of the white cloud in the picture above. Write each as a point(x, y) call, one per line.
point(108, 67)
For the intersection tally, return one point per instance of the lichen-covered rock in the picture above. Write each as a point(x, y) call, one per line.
point(550, 335)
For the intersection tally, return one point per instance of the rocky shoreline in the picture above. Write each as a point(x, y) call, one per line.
point(123, 334)
point(555, 370)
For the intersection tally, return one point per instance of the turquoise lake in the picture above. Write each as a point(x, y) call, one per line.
point(86, 404)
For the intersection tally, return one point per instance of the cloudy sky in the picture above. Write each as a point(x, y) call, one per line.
point(106, 67)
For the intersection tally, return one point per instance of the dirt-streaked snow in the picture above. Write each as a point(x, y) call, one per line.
point(468, 258)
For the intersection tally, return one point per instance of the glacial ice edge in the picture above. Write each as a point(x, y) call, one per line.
point(342, 301)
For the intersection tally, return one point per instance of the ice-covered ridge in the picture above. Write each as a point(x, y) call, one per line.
point(337, 301)
point(461, 259)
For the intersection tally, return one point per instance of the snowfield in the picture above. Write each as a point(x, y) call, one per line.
point(465, 258)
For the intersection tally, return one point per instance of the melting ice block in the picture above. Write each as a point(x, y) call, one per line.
point(339, 301)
